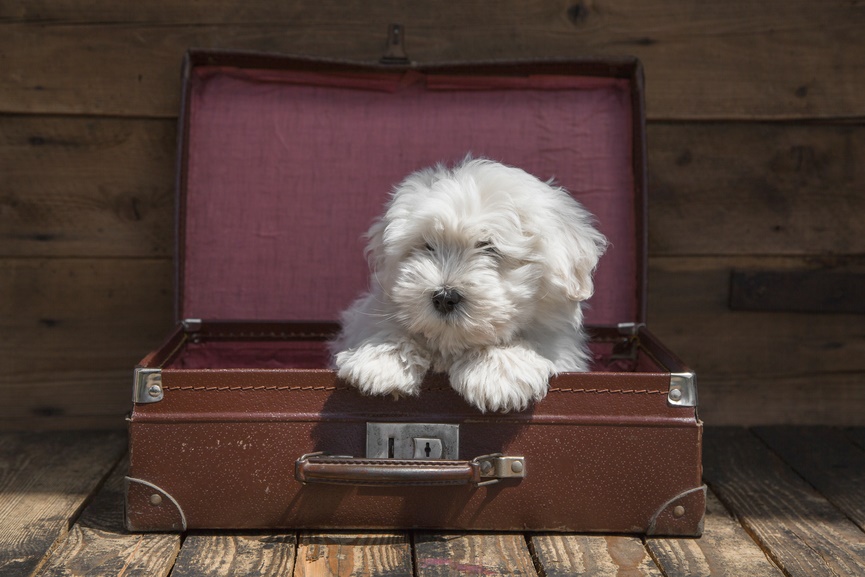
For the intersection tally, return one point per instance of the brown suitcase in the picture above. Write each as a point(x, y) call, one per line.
point(237, 423)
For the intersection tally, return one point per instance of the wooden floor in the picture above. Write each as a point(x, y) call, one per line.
point(782, 501)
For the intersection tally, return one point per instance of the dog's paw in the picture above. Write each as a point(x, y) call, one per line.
point(502, 379)
point(383, 368)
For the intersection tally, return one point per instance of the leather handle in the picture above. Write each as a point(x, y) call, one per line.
point(384, 472)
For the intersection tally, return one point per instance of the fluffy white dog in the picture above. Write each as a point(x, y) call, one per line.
point(479, 272)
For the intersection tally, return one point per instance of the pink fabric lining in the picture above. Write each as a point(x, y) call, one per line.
point(314, 355)
point(286, 170)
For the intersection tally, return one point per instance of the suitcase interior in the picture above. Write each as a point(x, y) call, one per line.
point(233, 345)
point(284, 163)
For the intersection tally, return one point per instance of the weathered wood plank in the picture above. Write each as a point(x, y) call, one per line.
point(105, 187)
point(688, 309)
point(857, 436)
point(443, 554)
point(249, 13)
point(828, 460)
point(86, 186)
point(99, 545)
point(592, 556)
point(724, 550)
point(798, 291)
point(819, 398)
point(224, 555)
point(45, 479)
point(801, 531)
point(771, 189)
point(349, 555)
point(71, 331)
point(773, 59)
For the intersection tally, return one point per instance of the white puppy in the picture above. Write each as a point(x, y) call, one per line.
point(479, 272)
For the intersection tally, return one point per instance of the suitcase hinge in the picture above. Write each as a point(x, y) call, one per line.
point(683, 390)
point(497, 466)
point(192, 328)
point(191, 325)
point(394, 51)
point(147, 386)
point(630, 329)
point(627, 348)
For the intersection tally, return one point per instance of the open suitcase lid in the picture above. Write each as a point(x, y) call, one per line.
point(284, 163)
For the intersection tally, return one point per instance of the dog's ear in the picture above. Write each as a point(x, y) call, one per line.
point(571, 246)
point(390, 235)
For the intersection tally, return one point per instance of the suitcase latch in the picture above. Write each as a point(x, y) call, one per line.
point(412, 441)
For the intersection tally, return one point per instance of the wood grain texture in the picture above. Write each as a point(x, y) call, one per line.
point(242, 555)
point(828, 460)
point(446, 554)
point(724, 550)
point(353, 555)
point(99, 545)
point(45, 479)
point(819, 398)
point(755, 188)
point(801, 531)
point(856, 436)
point(86, 186)
point(689, 311)
point(593, 556)
point(774, 59)
point(798, 291)
point(72, 330)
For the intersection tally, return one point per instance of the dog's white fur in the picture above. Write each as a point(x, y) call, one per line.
point(520, 253)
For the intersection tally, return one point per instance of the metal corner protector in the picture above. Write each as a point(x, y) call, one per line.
point(683, 390)
point(147, 385)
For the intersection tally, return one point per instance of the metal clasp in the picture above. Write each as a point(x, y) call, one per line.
point(394, 51)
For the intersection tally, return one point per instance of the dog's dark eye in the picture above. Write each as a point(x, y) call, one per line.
point(430, 247)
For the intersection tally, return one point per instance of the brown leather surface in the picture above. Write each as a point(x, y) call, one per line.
point(604, 452)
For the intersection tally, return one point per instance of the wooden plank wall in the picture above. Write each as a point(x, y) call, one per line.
point(756, 160)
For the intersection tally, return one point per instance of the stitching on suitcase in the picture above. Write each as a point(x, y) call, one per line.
point(264, 334)
point(611, 391)
point(255, 388)
point(331, 388)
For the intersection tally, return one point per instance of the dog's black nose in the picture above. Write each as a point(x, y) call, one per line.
point(446, 300)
